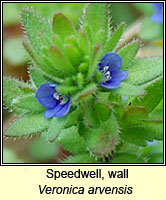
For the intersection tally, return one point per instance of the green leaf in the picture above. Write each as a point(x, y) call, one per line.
point(40, 60)
point(97, 17)
point(62, 26)
point(91, 119)
point(144, 70)
point(128, 53)
point(37, 77)
point(55, 128)
point(83, 42)
point(111, 44)
point(82, 158)
point(73, 55)
point(135, 113)
point(95, 113)
point(151, 30)
point(28, 125)
point(72, 141)
point(152, 97)
point(140, 131)
point(85, 93)
point(12, 89)
point(102, 141)
point(126, 89)
point(37, 28)
point(29, 103)
point(60, 63)
point(154, 153)
point(96, 56)
point(127, 158)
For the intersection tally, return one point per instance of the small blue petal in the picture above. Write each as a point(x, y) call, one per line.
point(51, 112)
point(111, 59)
point(121, 75)
point(59, 111)
point(45, 94)
point(64, 109)
point(110, 85)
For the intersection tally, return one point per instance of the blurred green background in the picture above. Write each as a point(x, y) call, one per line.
point(16, 62)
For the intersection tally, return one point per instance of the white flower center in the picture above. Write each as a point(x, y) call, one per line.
point(106, 73)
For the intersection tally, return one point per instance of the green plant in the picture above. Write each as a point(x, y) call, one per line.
point(99, 124)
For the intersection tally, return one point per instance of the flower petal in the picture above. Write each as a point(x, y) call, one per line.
point(121, 75)
point(113, 60)
point(58, 111)
point(110, 84)
point(64, 109)
point(50, 112)
point(116, 80)
point(45, 97)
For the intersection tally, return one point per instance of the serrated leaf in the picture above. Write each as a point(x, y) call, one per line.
point(28, 125)
point(62, 26)
point(144, 70)
point(83, 158)
point(138, 133)
point(28, 103)
point(97, 17)
point(36, 27)
point(152, 97)
point(72, 141)
point(126, 89)
point(12, 89)
point(127, 158)
point(128, 53)
point(60, 63)
point(111, 44)
point(41, 61)
point(102, 141)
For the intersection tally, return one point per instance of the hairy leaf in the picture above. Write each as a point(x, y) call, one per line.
point(144, 70)
point(28, 125)
point(12, 89)
point(152, 97)
point(128, 53)
point(114, 38)
point(72, 141)
point(97, 17)
point(62, 26)
point(82, 158)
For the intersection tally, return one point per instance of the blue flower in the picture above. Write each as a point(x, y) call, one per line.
point(110, 66)
point(158, 12)
point(56, 104)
